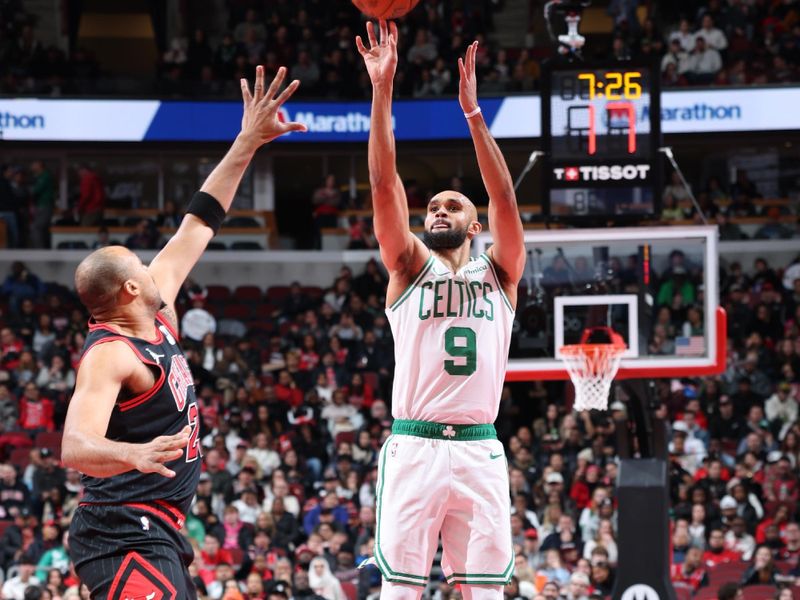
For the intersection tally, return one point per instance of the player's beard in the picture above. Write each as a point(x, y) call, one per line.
point(445, 239)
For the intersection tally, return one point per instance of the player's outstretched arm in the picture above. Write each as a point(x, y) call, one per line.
point(508, 247)
point(84, 447)
point(260, 124)
point(401, 251)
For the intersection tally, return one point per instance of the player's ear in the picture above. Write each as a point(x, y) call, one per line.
point(474, 229)
point(131, 287)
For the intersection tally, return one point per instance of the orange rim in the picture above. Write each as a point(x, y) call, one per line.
point(576, 349)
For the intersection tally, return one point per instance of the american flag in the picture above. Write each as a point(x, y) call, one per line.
point(693, 345)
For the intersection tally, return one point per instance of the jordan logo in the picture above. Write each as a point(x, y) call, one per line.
point(156, 357)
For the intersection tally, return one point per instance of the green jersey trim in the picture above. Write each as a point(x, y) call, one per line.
point(497, 279)
point(407, 292)
point(444, 431)
point(380, 560)
point(484, 578)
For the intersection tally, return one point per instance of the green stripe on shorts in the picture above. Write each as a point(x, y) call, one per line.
point(444, 431)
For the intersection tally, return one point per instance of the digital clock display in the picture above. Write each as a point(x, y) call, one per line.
point(601, 135)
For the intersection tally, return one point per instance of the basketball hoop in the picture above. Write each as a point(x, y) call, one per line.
point(592, 367)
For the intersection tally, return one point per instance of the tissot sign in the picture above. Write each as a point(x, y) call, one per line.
point(636, 172)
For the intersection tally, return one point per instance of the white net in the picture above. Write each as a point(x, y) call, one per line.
point(592, 368)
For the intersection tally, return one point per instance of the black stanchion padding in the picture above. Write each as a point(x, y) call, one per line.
point(643, 531)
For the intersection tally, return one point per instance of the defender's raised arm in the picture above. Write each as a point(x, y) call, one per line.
point(260, 125)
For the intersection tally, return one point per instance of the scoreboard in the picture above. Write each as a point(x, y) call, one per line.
point(601, 133)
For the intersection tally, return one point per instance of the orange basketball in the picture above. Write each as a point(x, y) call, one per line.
point(385, 9)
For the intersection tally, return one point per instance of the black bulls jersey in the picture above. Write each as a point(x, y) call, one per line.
point(164, 409)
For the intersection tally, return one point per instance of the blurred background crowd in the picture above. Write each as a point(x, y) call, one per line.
point(205, 48)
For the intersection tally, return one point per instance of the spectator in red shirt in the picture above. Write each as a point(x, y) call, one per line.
point(780, 487)
point(210, 556)
point(35, 412)
point(716, 553)
point(10, 349)
point(92, 199)
point(286, 390)
point(779, 519)
point(691, 572)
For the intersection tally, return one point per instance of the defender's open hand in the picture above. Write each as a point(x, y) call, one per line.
point(261, 120)
point(150, 457)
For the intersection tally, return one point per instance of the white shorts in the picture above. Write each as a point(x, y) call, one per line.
point(448, 479)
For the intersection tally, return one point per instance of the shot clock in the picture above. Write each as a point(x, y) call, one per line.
point(601, 133)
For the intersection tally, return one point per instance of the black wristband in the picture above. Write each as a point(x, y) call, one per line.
point(205, 207)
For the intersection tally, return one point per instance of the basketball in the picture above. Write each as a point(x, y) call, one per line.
point(385, 9)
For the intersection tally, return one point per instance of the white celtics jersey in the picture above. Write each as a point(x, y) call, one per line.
point(451, 337)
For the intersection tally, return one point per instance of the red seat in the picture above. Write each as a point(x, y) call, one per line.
point(683, 591)
point(350, 590)
point(20, 457)
point(261, 328)
point(246, 293)
point(706, 593)
point(759, 592)
point(218, 293)
point(277, 293)
point(371, 379)
point(3, 526)
point(48, 439)
point(237, 554)
point(14, 440)
point(314, 292)
point(237, 311)
point(345, 437)
point(785, 566)
point(265, 310)
point(726, 572)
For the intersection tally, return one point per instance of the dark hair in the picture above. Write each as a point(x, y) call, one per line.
point(728, 591)
point(32, 592)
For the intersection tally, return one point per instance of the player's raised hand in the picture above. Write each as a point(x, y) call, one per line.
point(150, 457)
point(381, 57)
point(261, 119)
point(468, 83)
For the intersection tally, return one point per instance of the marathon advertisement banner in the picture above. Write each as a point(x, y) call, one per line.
point(516, 117)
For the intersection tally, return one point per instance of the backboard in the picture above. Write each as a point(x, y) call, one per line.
point(656, 286)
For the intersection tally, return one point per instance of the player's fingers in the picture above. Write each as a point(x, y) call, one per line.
point(295, 126)
point(393, 33)
point(287, 93)
point(162, 470)
point(179, 440)
point(371, 35)
point(259, 88)
point(360, 46)
point(171, 455)
point(166, 455)
point(276, 83)
point(157, 466)
point(246, 95)
point(177, 444)
point(384, 32)
point(471, 58)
